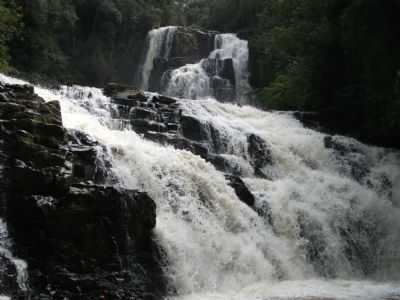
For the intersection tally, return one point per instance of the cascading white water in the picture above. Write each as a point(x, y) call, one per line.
point(189, 82)
point(159, 43)
point(20, 265)
point(219, 248)
point(193, 82)
point(229, 46)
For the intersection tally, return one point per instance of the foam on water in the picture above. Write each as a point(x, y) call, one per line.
point(308, 290)
point(20, 265)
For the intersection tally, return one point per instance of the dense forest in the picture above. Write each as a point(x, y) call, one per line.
point(337, 57)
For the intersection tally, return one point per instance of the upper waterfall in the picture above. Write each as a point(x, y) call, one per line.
point(159, 45)
point(204, 65)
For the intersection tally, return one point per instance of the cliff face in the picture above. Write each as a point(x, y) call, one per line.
point(82, 236)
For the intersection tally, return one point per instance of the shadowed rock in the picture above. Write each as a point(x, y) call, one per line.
point(241, 189)
point(82, 236)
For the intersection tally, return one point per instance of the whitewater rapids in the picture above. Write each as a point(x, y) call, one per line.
point(217, 247)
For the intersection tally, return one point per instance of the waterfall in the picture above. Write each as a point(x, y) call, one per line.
point(159, 45)
point(333, 204)
point(229, 46)
point(189, 82)
point(201, 80)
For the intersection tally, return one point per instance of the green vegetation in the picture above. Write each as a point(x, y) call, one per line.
point(86, 41)
point(9, 26)
point(337, 57)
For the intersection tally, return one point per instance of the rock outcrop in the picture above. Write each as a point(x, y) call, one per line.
point(82, 236)
point(162, 120)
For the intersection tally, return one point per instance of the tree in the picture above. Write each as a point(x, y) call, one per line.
point(9, 26)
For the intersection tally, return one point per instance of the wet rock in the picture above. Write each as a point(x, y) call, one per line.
point(220, 163)
point(193, 129)
point(227, 70)
point(160, 119)
point(164, 99)
point(124, 95)
point(192, 45)
point(260, 154)
point(78, 234)
point(241, 189)
point(145, 126)
point(144, 113)
point(310, 119)
point(220, 68)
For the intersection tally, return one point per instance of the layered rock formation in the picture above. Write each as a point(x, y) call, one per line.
point(82, 236)
point(161, 119)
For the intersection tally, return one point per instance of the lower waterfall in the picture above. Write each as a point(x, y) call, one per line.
point(328, 218)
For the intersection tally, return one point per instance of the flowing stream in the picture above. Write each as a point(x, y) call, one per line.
point(332, 203)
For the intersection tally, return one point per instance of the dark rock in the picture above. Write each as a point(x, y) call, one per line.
point(144, 113)
point(164, 99)
point(259, 153)
point(310, 119)
point(220, 163)
point(193, 128)
point(144, 126)
point(241, 189)
point(124, 94)
point(227, 71)
point(78, 234)
point(157, 137)
point(199, 149)
point(172, 127)
point(191, 45)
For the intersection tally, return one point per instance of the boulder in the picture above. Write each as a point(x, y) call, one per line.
point(124, 93)
point(190, 46)
point(143, 113)
point(241, 189)
point(164, 100)
point(259, 154)
point(194, 129)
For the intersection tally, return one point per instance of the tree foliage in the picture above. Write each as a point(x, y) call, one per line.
point(335, 55)
point(9, 26)
point(90, 41)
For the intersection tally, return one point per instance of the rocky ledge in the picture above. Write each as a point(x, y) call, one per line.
point(161, 119)
point(81, 235)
